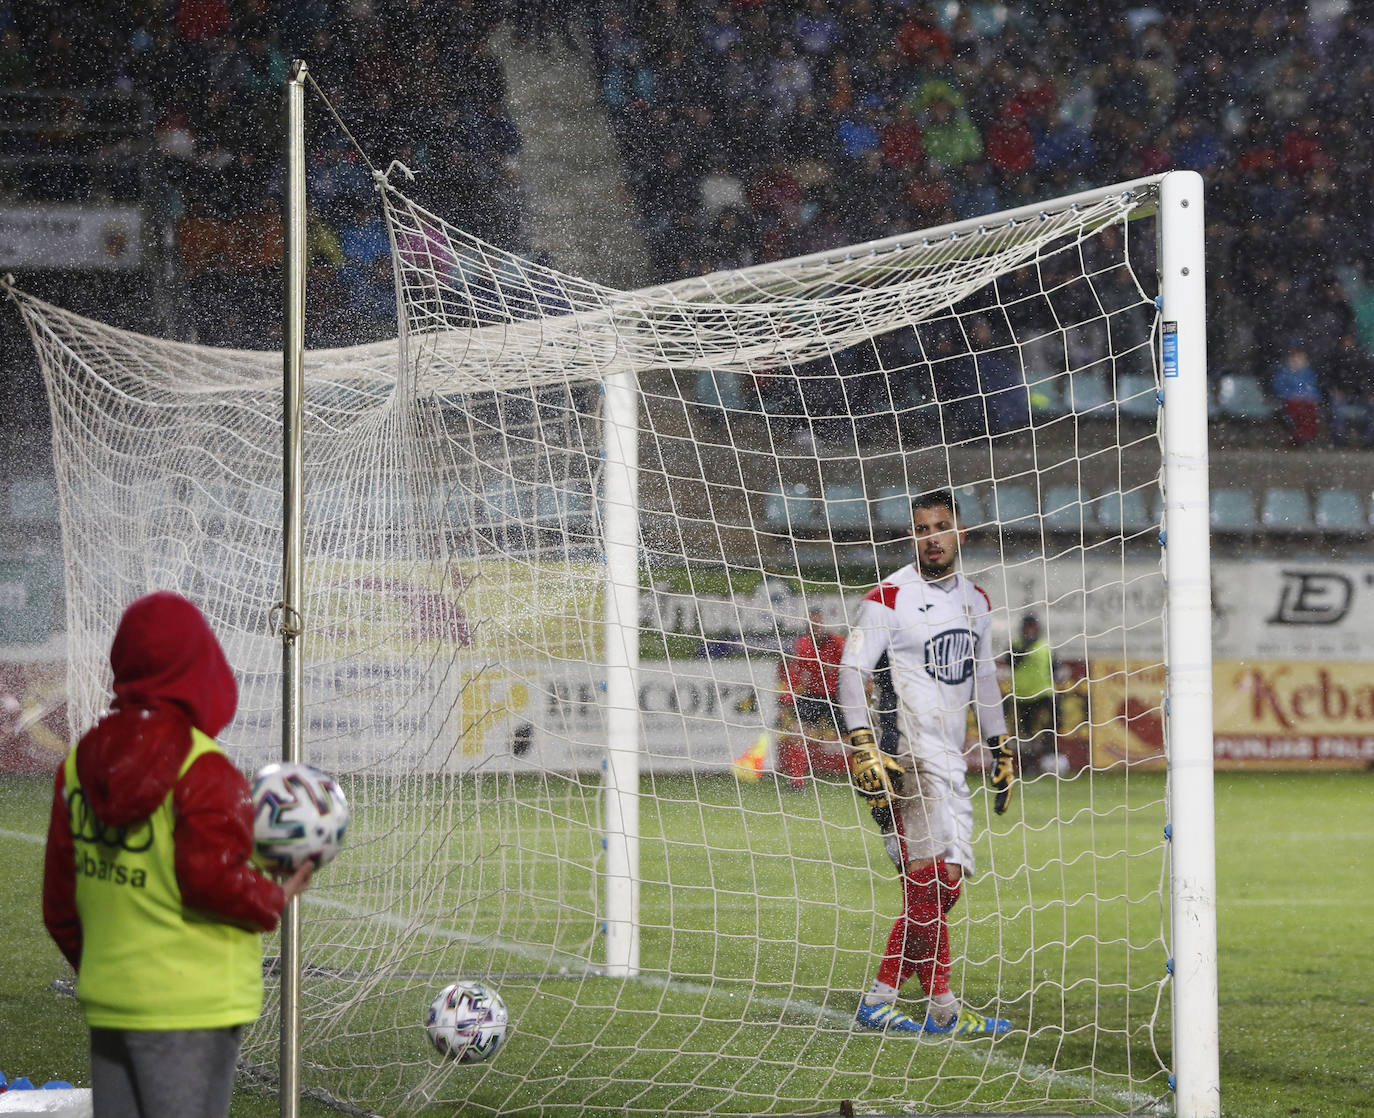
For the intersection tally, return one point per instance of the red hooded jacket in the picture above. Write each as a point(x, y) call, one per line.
point(169, 674)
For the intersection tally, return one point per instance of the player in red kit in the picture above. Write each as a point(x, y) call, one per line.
point(931, 627)
point(808, 677)
point(811, 673)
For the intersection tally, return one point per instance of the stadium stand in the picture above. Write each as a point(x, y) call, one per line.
point(748, 131)
point(753, 131)
point(176, 107)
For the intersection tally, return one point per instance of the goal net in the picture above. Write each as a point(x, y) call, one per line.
point(560, 541)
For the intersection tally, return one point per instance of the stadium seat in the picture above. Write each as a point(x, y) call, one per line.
point(390, 506)
point(502, 501)
point(1341, 512)
point(451, 503)
point(556, 505)
point(1285, 509)
point(1240, 396)
point(212, 501)
point(795, 508)
point(33, 499)
point(1063, 509)
point(1013, 508)
point(323, 504)
point(846, 508)
point(1122, 513)
point(264, 504)
point(1233, 510)
point(1046, 395)
point(892, 509)
point(1136, 396)
point(971, 513)
point(1089, 393)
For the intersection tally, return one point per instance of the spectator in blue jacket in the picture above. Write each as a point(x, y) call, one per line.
point(1299, 394)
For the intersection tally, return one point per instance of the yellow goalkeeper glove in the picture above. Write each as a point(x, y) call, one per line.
point(877, 775)
point(1003, 772)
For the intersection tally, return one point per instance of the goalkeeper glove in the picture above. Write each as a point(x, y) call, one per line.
point(1003, 771)
point(877, 775)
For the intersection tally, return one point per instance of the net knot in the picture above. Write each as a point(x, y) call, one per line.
point(384, 177)
point(285, 620)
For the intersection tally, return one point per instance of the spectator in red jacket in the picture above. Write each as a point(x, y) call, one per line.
point(922, 40)
point(1008, 143)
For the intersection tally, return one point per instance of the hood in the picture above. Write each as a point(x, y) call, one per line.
point(169, 674)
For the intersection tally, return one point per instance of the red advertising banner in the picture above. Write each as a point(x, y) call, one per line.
point(1277, 712)
point(1266, 713)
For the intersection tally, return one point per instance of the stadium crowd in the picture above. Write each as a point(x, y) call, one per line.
point(751, 130)
point(755, 131)
point(415, 82)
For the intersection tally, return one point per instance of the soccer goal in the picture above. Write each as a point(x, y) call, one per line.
point(557, 540)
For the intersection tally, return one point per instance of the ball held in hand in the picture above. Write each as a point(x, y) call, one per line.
point(299, 813)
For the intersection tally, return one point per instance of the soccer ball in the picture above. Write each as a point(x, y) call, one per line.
point(298, 813)
point(467, 1022)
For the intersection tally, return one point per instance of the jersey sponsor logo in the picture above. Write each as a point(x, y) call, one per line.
point(85, 827)
point(949, 656)
point(102, 869)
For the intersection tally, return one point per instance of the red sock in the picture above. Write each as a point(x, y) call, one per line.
point(919, 941)
point(949, 897)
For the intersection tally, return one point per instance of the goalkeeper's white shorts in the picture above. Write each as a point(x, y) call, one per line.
point(933, 816)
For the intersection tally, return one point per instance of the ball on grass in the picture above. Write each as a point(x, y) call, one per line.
point(467, 1022)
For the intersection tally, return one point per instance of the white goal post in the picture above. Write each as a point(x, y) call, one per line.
point(556, 541)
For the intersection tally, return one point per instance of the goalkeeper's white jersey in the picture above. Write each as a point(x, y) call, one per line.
point(937, 637)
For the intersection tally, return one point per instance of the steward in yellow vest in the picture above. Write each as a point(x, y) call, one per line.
point(148, 887)
point(1032, 689)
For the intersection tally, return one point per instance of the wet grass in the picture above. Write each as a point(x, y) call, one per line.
point(755, 942)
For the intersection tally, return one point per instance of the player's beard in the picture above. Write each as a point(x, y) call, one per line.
point(942, 567)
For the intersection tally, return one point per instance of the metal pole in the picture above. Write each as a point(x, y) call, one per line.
point(293, 567)
point(620, 527)
point(1189, 696)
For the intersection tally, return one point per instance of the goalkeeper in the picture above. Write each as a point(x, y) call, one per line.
point(147, 886)
point(933, 626)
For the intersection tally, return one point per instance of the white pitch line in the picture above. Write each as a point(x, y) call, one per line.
point(1297, 904)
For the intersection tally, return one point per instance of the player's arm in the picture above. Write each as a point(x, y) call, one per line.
point(992, 719)
point(877, 775)
point(60, 915)
point(213, 837)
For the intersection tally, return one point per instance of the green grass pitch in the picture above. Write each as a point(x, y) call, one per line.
point(1297, 978)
